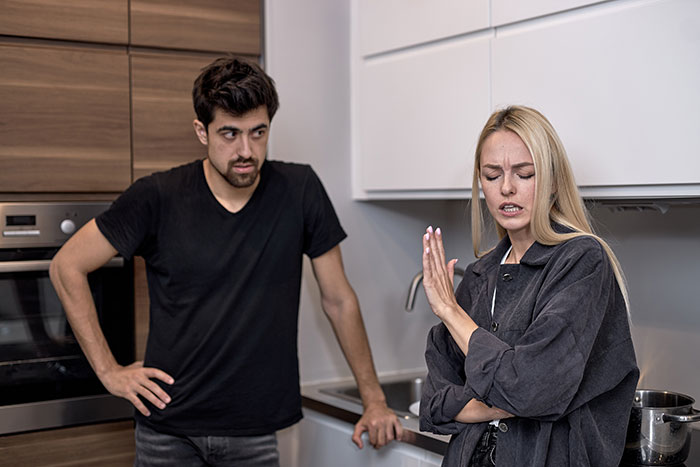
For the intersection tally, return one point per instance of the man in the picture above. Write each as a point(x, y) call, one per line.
point(223, 239)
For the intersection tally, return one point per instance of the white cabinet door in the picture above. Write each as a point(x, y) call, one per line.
point(418, 116)
point(391, 24)
point(510, 11)
point(620, 83)
point(324, 441)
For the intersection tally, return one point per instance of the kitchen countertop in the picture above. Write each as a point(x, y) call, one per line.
point(313, 398)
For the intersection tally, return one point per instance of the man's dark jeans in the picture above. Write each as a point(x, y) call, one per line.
point(155, 449)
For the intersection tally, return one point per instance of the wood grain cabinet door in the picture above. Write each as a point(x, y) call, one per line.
point(162, 112)
point(77, 20)
point(203, 25)
point(64, 125)
point(105, 444)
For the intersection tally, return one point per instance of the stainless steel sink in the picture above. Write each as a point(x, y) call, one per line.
point(400, 394)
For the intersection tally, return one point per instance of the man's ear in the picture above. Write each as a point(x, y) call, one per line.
point(201, 131)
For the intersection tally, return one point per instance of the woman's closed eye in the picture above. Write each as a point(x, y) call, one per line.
point(521, 174)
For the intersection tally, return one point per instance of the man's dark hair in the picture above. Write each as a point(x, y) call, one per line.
point(234, 85)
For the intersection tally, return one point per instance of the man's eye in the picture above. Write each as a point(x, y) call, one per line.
point(259, 133)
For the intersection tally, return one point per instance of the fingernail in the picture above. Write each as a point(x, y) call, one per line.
point(427, 250)
point(438, 231)
point(427, 236)
point(430, 228)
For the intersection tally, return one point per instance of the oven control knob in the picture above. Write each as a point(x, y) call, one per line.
point(67, 226)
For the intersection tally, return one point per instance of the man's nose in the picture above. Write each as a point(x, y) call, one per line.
point(244, 150)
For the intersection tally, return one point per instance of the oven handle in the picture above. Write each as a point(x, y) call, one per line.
point(43, 265)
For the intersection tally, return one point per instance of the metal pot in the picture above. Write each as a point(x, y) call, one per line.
point(658, 432)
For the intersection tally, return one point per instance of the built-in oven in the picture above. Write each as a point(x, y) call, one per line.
point(45, 380)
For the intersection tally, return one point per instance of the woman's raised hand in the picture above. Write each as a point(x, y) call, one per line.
point(438, 275)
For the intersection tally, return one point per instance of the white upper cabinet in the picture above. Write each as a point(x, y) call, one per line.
point(510, 11)
point(619, 80)
point(391, 24)
point(620, 84)
point(418, 117)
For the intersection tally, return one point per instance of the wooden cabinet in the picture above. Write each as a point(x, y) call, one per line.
point(104, 444)
point(76, 20)
point(392, 24)
point(419, 116)
point(207, 25)
point(65, 120)
point(71, 93)
point(162, 110)
point(141, 308)
point(620, 86)
point(76, 114)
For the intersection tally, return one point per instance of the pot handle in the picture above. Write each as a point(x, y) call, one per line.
point(693, 416)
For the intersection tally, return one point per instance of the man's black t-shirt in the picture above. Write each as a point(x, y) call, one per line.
point(224, 290)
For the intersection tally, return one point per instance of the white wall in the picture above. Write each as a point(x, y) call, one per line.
point(660, 254)
point(308, 54)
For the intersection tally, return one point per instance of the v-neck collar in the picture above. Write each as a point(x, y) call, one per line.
point(253, 197)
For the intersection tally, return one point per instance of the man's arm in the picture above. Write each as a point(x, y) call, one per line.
point(83, 253)
point(343, 310)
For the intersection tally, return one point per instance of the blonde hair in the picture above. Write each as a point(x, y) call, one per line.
point(557, 198)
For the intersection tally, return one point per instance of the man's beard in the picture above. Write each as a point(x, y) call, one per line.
point(239, 180)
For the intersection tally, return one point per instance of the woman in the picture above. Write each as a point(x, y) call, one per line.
point(533, 363)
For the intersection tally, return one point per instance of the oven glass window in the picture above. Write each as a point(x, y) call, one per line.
point(40, 358)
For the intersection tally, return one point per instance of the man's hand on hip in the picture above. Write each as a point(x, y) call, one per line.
point(134, 380)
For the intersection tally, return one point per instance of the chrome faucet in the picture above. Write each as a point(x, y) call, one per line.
point(410, 300)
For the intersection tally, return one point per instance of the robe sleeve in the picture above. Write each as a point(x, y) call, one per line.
point(445, 391)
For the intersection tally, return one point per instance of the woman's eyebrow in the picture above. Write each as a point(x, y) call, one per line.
point(519, 165)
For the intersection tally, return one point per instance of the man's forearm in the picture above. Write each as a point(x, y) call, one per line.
point(73, 290)
point(350, 330)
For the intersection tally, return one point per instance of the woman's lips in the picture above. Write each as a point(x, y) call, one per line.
point(510, 209)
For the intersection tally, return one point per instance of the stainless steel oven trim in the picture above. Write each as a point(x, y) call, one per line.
point(43, 265)
point(63, 412)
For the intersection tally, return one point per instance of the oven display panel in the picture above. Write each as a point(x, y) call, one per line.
point(15, 221)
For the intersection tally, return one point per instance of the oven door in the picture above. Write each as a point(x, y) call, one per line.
point(41, 363)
